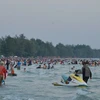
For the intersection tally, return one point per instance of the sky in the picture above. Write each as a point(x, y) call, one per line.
point(69, 22)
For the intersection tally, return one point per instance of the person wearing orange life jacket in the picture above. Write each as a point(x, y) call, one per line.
point(3, 72)
point(12, 73)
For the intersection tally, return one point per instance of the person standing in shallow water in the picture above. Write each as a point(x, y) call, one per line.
point(7, 64)
point(3, 72)
point(18, 65)
point(86, 72)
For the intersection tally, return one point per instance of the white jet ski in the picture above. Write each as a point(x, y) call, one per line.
point(72, 80)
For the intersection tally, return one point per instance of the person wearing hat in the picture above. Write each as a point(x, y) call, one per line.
point(3, 72)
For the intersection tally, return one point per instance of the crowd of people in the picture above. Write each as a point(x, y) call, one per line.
point(10, 63)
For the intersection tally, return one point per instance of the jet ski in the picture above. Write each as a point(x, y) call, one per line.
point(73, 80)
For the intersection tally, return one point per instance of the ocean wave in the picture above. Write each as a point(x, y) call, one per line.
point(84, 97)
point(12, 97)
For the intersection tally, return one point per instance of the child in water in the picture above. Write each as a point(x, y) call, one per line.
point(12, 73)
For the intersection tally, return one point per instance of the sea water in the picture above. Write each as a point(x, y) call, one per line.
point(36, 84)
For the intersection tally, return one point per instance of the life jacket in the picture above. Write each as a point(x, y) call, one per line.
point(12, 71)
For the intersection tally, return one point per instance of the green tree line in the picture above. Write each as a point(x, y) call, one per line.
point(23, 47)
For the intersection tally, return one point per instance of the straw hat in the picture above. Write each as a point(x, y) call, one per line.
point(1, 63)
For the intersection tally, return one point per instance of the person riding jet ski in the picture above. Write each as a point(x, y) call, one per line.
point(75, 75)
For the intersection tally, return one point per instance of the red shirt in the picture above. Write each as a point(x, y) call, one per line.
point(3, 71)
